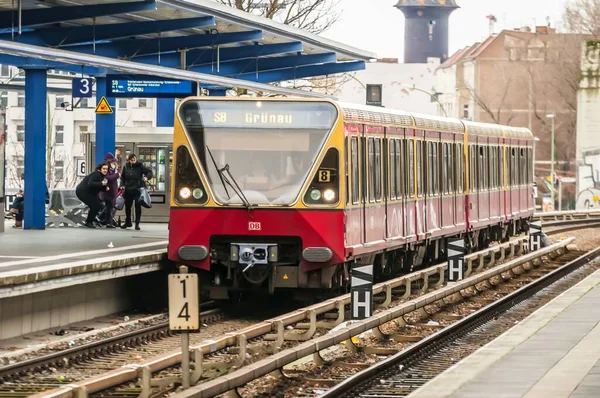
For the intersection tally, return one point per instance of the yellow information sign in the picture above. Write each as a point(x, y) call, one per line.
point(104, 107)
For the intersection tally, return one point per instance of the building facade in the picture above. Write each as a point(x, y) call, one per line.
point(588, 119)
point(387, 83)
point(519, 78)
point(69, 120)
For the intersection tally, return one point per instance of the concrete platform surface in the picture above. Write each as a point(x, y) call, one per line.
point(554, 352)
point(19, 244)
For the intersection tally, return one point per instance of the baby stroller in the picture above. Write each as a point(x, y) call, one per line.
point(118, 204)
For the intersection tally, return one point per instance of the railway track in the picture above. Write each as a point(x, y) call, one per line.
point(562, 226)
point(42, 372)
point(275, 343)
point(405, 372)
point(397, 314)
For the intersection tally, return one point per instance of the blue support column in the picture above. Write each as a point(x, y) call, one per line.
point(35, 149)
point(165, 112)
point(105, 125)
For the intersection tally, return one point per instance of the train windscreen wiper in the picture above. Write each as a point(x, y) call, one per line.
point(219, 172)
point(236, 188)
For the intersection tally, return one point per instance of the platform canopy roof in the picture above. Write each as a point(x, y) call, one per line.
point(217, 44)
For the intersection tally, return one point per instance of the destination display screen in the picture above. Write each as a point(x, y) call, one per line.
point(259, 114)
point(125, 87)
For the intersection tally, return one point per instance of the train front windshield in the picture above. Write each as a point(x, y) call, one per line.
point(266, 148)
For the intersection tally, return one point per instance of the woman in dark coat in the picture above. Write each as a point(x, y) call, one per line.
point(133, 177)
point(109, 196)
point(89, 189)
point(17, 209)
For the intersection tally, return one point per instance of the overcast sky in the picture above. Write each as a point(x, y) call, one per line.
point(375, 25)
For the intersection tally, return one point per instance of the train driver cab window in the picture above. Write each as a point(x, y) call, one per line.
point(256, 152)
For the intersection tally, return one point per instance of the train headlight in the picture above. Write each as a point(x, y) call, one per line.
point(315, 194)
point(185, 193)
point(329, 195)
point(197, 193)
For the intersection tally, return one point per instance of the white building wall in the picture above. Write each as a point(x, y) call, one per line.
point(130, 113)
point(396, 80)
point(588, 120)
point(446, 85)
point(470, 80)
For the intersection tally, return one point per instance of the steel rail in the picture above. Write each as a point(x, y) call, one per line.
point(566, 215)
point(133, 372)
point(260, 368)
point(568, 225)
point(465, 325)
point(90, 349)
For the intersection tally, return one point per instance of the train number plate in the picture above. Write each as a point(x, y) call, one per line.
point(254, 226)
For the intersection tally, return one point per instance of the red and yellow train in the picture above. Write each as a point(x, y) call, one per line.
point(276, 193)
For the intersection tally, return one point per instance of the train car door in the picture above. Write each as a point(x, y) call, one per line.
point(459, 181)
point(355, 228)
point(495, 191)
point(513, 183)
point(421, 181)
point(395, 204)
point(410, 189)
point(375, 209)
point(433, 220)
point(447, 196)
point(484, 181)
point(473, 197)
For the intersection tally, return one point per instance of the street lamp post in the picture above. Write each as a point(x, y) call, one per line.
point(552, 117)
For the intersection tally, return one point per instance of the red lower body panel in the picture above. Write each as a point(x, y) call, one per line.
point(316, 228)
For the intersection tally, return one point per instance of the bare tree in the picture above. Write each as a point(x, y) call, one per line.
point(582, 16)
point(494, 102)
point(315, 16)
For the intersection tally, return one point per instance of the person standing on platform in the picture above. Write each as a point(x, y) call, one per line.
point(17, 209)
point(109, 196)
point(133, 178)
point(89, 189)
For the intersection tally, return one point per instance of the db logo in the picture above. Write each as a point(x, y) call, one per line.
point(254, 226)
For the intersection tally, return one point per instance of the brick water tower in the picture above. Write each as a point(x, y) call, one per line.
point(426, 30)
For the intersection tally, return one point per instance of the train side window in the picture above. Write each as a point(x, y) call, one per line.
point(494, 166)
point(347, 161)
point(483, 169)
point(432, 169)
point(419, 175)
point(399, 171)
point(530, 165)
point(491, 157)
point(355, 168)
point(410, 186)
point(459, 169)
point(512, 167)
point(501, 169)
point(443, 169)
point(392, 163)
point(523, 167)
point(371, 172)
point(378, 169)
point(473, 168)
point(456, 166)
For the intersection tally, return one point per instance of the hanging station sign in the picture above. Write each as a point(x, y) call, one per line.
point(133, 86)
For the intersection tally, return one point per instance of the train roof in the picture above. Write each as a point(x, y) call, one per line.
point(375, 115)
point(372, 115)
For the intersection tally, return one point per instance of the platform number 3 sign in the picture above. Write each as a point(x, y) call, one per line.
point(184, 311)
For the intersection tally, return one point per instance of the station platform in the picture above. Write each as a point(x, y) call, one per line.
point(554, 352)
point(33, 260)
